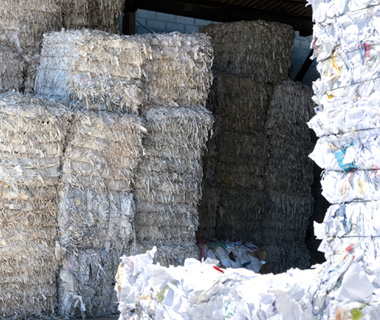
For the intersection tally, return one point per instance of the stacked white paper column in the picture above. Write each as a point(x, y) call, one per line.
point(346, 44)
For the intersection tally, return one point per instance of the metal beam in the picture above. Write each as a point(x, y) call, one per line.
point(222, 12)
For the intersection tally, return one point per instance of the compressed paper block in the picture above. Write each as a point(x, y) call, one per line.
point(96, 208)
point(11, 69)
point(98, 14)
point(168, 180)
point(123, 73)
point(32, 137)
point(257, 49)
point(23, 22)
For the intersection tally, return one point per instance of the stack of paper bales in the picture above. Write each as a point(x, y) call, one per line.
point(289, 172)
point(114, 78)
point(33, 134)
point(97, 73)
point(101, 70)
point(346, 47)
point(96, 209)
point(257, 174)
point(168, 181)
point(22, 24)
point(93, 14)
point(347, 285)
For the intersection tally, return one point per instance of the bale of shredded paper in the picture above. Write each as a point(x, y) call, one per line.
point(177, 69)
point(97, 14)
point(168, 179)
point(171, 254)
point(11, 69)
point(101, 70)
point(201, 290)
point(23, 22)
point(257, 168)
point(122, 73)
point(31, 146)
point(31, 61)
point(290, 140)
point(96, 208)
point(257, 49)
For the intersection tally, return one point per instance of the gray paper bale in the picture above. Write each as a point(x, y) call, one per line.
point(168, 180)
point(258, 49)
point(93, 14)
point(96, 208)
point(29, 171)
point(11, 69)
point(23, 22)
point(86, 283)
point(171, 254)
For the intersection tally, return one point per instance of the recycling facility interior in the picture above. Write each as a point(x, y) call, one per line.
point(115, 144)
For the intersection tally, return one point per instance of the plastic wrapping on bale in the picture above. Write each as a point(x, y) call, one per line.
point(257, 49)
point(168, 180)
point(96, 209)
point(93, 14)
point(32, 138)
point(23, 22)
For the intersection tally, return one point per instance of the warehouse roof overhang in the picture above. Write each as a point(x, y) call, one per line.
point(291, 12)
